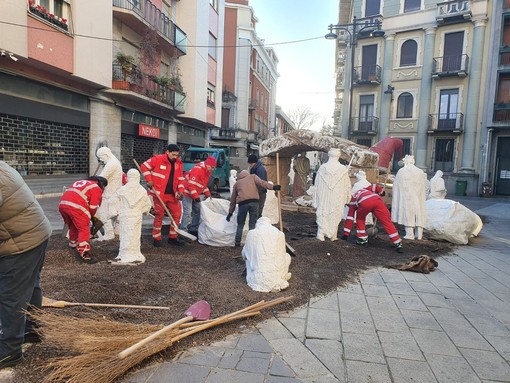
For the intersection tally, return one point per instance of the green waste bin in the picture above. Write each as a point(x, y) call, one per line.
point(460, 188)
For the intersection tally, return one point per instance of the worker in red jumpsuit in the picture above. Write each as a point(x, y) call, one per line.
point(363, 202)
point(77, 206)
point(195, 184)
point(163, 174)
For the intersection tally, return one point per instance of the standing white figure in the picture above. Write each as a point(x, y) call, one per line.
point(112, 171)
point(332, 192)
point(437, 186)
point(267, 262)
point(232, 179)
point(130, 203)
point(408, 200)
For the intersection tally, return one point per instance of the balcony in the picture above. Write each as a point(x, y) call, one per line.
point(362, 24)
point(446, 122)
point(501, 112)
point(453, 11)
point(137, 84)
point(450, 66)
point(252, 105)
point(140, 14)
point(367, 74)
point(361, 126)
point(225, 134)
point(504, 56)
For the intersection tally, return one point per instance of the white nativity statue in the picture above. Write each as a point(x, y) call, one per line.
point(267, 262)
point(232, 179)
point(112, 171)
point(408, 200)
point(332, 192)
point(437, 186)
point(271, 207)
point(130, 203)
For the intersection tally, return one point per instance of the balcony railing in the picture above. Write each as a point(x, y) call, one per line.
point(453, 11)
point(446, 66)
point(364, 125)
point(143, 84)
point(367, 74)
point(501, 112)
point(504, 56)
point(446, 122)
point(152, 15)
point(225, 134)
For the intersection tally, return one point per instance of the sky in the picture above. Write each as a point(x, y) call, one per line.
point(306, 68)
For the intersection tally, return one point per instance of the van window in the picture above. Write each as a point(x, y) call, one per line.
point(221, 160)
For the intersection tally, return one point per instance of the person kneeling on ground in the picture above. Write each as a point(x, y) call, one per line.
point(363, 202)
point(245, 194)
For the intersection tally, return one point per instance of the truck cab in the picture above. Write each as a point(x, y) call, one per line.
point(221, 173)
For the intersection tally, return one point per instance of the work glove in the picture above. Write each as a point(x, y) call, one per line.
point(382, 194)
point(277, 187)
point(150, 184)
point(179, 196)
point(344, 237)
point(229, 216)
point(96, 226)
point(197, 200)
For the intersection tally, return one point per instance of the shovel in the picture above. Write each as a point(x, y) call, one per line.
point(200, 310)
point(176, 227)
point(288, 247)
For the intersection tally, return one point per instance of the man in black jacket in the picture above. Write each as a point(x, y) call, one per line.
point(259, 170)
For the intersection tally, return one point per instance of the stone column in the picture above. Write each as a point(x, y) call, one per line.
point(424, 98)
point(346, 102)
point(471, 125)
point(385, 109)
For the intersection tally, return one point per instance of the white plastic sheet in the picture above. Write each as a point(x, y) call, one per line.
point(451, 221)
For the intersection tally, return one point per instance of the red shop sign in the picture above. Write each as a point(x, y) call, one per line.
point(148, 131)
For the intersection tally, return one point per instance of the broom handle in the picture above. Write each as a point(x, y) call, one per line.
point(128, 351)
point(62, 304)
point(279, 192)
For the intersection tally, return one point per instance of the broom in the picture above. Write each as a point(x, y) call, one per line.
point(95, 344)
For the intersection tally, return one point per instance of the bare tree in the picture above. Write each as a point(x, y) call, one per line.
point(303, 117)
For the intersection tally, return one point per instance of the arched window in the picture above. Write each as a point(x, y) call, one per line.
point(408, 53)
point(405, 105)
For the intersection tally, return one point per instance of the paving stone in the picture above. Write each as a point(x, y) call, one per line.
point(256, 354)
point(423, 287)
point(407, 371)
point(323, 324)
point(400, 289)
point(434, 300)
point(408, 302)
point(487, 364)
point(206, 356)
point(400, 345)
point(365, 372)
point(219, 375)
point(385, 314)
point(501, 344)
point(466, 336)
point(230, 358)
point(140, 376)
point(376, 291)
point(321, 379)
point(420, 319)
point(179, 373)
point(257, 365)
point(299, 358)
point(253, 342)
point(437, 278)
point(281, 379)
point(454, 369)
point(415, 277)
point(453, 292)
point(273, 329)
point(279, 368)
point(352, 288)
point(7, 375)
point(391, 276)
point(363, 347)
point(434, 342)
point(330, 353)
point(328, 302)
point(468, 306)
point(371, 277)
point(448, 316)
point(487, 325)
point(296, 326)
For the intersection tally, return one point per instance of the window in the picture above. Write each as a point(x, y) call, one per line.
point(453, 46)
point(444, 153)
point(408, 53)
point(211, 90)
point(503, 92)
point(448, 103)
point(364, 141)
point(55, 12)
point(366, 113)
point(212, 46)
point(406, 149)
point(405, 105)
point(372, 7)
point(412, 5)
point(505, 36)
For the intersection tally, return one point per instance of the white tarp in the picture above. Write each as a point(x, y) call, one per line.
point(451, 221)
point(214, 230)
point(267, 262)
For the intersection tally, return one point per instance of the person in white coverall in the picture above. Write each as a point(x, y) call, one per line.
point(112, 171)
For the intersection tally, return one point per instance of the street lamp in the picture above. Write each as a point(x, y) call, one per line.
point(354, 29)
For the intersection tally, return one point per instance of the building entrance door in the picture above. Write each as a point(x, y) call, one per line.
point(502, 186)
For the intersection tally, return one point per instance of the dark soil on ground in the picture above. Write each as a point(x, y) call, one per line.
point(180, 276)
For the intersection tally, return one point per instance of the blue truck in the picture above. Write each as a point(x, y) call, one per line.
point(221, 173)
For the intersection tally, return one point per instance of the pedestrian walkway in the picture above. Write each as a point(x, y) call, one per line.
point(452, 325)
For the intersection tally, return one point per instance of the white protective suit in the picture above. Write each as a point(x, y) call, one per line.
point(112, 171)
point(267, 262)
point(408, 200)
point(332, 192)
point(437, 186)
point(130, 203)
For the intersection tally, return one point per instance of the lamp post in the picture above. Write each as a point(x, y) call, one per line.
point(354, 29)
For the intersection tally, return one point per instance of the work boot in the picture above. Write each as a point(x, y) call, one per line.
point(157, 243)
point(362, 242)
point(237, 245)
point(176, 242)
point(85, 257)
point(11, 360)
point(73, 244)
point(400, 248)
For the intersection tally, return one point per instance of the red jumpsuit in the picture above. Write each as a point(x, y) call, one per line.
point(196, 182)
point(366, 201)
point(157, 170)
point(77, 205)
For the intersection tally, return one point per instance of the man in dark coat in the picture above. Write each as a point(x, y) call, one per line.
point(259, 170)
